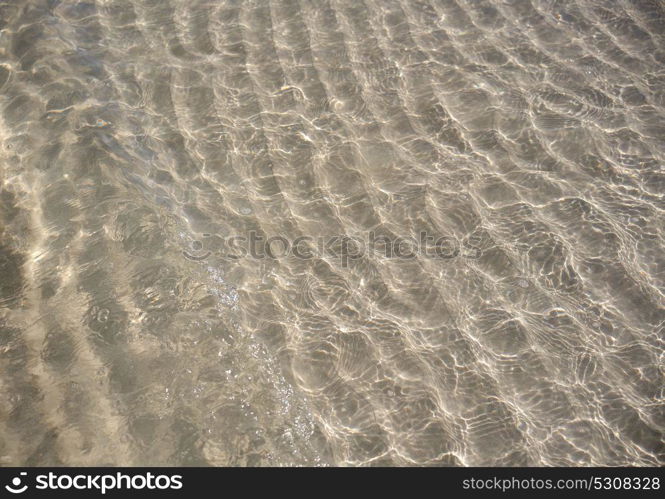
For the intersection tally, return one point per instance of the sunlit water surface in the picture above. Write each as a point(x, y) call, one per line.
point(136, 136)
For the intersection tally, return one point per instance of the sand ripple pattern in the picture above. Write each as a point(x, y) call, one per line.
point(136, 134)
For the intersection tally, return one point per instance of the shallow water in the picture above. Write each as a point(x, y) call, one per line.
point(137, 137)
